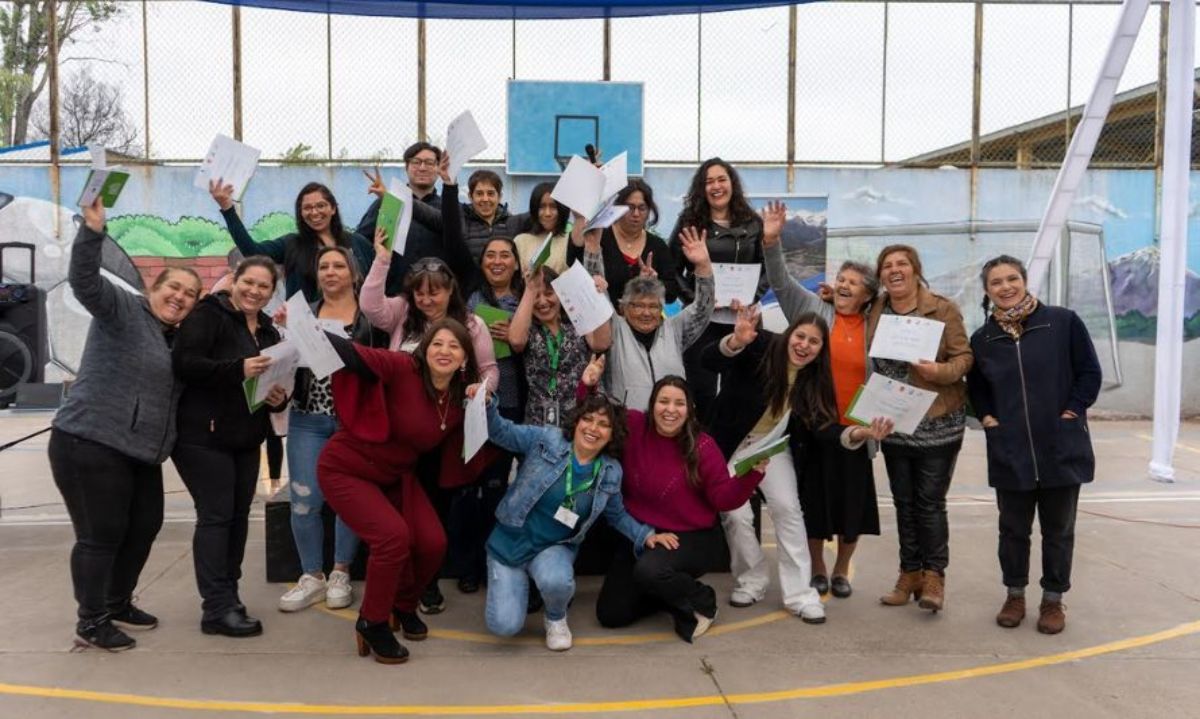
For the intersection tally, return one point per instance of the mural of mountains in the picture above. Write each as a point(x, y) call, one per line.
point(1135, 296)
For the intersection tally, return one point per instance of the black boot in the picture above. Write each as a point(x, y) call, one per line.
point(377, 638)
point(233, 623)
point(414, 629)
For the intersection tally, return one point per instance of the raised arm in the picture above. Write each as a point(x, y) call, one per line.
point(516, 438)
point(485, 352)
point(100, 297)
point(385, 313)
point(794, 298)
point(694, 318)
point(683, 279)
point(223, 195)
point(522, 319)
point(726, 352)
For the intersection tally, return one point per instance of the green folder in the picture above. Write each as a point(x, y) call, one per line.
point(745, 464)
point(106, 183)
point(490, 316)
point(543, 254)
point(391, 208)
point(853, 405)
point(249, 385)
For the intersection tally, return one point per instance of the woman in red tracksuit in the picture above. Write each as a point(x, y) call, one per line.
point(395, 407)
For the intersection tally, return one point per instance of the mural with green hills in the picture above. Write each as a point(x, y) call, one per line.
point(151, 236)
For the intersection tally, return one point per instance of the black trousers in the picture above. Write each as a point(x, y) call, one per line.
point(116, 509)
point(222, 484)
point(1056, 514)
point(702, 382)
point(919, 484)
point(472, 514)
point(661, 580)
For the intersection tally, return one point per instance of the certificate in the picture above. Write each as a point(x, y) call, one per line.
point(231, 162)
point(475, 431)
point(304, 331)
point(735, 282)
point(395, 216)
point(902, 403)
point(908, 339)
point(587, 308)
point(463, 141)
point(281, 371)
point(746, 463)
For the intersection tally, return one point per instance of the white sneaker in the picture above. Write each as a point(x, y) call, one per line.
point(307, 592)
point(558, 635)
point(812, 613)
point(338, 592)
point(741, 598)
point(702, 624)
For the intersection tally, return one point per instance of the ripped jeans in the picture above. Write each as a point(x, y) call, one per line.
point(307, 435)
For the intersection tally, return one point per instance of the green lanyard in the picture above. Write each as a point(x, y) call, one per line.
point(569, 499)
point(553, 345)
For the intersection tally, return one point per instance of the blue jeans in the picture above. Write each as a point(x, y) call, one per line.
point(553, 569)
point(307, 435)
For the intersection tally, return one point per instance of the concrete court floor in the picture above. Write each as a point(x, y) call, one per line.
point(1135, 578)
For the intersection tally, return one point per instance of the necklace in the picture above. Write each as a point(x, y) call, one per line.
point(443, 412)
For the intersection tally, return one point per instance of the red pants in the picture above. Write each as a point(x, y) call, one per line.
point(396, 520)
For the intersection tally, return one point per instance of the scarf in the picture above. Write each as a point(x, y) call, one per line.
point(1012, 319)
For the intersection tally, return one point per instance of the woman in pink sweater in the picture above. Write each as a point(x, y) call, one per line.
point(676, 478)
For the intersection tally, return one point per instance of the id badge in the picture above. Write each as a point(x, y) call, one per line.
point(566, 517)
point(552, 415)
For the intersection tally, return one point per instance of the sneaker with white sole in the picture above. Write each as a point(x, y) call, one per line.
point(741, 598)
point(812, 613)
point(558, 635)
point(338, 592)
point(702, 624)
point(307, 592)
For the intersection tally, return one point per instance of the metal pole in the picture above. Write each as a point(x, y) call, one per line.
point(699, 76)
point(607, 49)
point(237, 73)
point(883, 87)
point(976, 104)
point(422, 136)
point(52, 75)
point(1160, 111)
point(329, 83)
point(1070, 69)
point(791, 100)
point(146, 78)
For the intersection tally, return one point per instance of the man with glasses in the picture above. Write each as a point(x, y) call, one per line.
point(425, 239)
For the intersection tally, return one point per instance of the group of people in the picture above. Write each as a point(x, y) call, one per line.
point(642, 420)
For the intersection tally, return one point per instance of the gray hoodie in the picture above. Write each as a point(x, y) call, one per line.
point(126, 392)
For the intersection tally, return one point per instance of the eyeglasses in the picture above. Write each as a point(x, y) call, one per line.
point(645, 306)
point(639, 209)
point(318, 207)
point(421, 162)
point(429, 264)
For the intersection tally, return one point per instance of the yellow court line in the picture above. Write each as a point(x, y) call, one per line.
point(1179, 445)
point(829, 690)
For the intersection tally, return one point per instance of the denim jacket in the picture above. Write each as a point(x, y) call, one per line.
point(545, 454)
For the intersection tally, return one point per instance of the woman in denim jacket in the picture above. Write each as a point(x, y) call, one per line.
point(567, 478)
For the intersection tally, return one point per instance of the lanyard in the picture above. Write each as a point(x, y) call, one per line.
point(569, 499)
point(553, 345)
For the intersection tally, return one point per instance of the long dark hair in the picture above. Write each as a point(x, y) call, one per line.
point(604, 405)
point(461, 379)
point(535, 205)
point(811, 397)
point(304, 252)
point(696, 211)
point(638, 185)
point(356, 277)
point(432, 271)
point(516, 284)
point(690, 432)
point(993, 264)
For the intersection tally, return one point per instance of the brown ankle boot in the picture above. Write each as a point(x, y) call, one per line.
point(933, 592)
point(1012, 613)
point(908, 583)
point(1052, 619)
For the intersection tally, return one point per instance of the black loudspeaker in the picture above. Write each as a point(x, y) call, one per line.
point(24, 341)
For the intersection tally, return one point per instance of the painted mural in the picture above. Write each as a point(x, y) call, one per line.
point(162, 220)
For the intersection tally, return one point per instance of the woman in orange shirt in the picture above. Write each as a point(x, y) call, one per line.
point(841, 502)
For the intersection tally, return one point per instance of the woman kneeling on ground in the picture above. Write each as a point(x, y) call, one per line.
point(675, 478)
point(567, 478)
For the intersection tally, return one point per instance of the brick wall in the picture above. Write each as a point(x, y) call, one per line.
point(210, 269)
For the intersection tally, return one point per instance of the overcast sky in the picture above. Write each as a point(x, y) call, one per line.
point(742, 57)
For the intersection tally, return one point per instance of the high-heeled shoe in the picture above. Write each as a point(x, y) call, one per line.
point(413, 628)
point(377, 638)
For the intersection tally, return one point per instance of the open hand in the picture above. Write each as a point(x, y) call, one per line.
point(444, 169)
point(745, 330)
point(694, 244)
point(774, 215)
point(221, 192)
point(666, 540)
point(381, 248)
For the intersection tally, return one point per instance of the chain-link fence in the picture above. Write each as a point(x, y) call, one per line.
point(875, 83)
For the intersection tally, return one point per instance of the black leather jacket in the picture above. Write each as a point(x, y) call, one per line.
point(738, 244)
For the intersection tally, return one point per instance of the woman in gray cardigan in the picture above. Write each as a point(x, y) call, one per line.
point(113, 433)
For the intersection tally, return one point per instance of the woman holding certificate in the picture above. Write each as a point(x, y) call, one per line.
point(1035, 375)
point(920, 464)
point(844, 503)
point(777, 388)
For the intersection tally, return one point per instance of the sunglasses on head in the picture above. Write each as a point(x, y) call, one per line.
point(429, 264)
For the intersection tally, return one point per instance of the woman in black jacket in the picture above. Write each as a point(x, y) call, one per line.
point(1034, 377)
point(217, 454)
point(717, 207)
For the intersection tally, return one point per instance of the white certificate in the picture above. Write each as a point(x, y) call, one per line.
point(607, 216)
point(231, 162)
point(333, 327)
point(902, 403)
point(581, 187)
point(463, 141)
point(587, 308)
point(305, 332)
point(908, 339)
point(735, 282)
point(475, 431)
point(281, 371)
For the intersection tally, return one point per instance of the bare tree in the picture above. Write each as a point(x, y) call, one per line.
point(90, 112)
point(24, 50)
